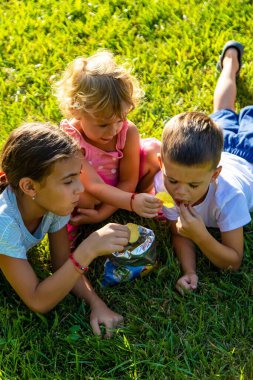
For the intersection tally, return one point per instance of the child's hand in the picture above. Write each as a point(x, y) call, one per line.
point(108, 239)
point(101, 314)
point(187, 283)
point(190, 224)
point(146, 205)
point(85, 216)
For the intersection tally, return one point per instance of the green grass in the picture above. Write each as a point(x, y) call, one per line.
point(173, 47)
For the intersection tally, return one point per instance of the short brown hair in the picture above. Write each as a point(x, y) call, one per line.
point(192, 138)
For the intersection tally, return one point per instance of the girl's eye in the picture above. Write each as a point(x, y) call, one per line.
point(68, 183)
point(172, 181)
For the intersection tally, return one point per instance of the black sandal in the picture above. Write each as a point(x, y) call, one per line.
point(231, 44)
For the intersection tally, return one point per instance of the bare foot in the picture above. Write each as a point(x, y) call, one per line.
point(231, 59)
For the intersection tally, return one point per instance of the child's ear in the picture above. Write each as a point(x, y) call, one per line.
point(216, 173)
point(75, 113)
point(159, 160)
point(27, 185)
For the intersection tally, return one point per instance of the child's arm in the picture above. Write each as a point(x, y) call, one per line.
point(100, 312)
point(185, 252)
point(43, 296)
point(145, 205)
point(118, 197)
point(130, 162)
point(227, 254)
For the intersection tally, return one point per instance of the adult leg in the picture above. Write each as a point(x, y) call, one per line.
point(225, 91)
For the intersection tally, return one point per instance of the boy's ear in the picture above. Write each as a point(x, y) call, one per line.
point(216, 173)
point(159, 160)
point(27, 185)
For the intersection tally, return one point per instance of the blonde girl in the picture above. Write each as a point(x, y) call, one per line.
point(40, 186)
point(96, 95)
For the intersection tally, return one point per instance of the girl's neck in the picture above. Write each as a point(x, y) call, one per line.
point(30, 212)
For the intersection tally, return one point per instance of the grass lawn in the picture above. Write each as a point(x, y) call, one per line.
point(173, 47)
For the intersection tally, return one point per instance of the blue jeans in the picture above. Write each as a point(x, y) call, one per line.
point(237, 130)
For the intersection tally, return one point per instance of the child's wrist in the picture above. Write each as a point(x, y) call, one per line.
point(132, 201)
point(78, 267)
point(84, 254)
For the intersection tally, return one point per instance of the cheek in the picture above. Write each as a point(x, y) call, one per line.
point(168, 187)
point(119, 127)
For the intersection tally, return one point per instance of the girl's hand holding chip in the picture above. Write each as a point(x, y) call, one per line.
point(146, 205)
point(166, 198)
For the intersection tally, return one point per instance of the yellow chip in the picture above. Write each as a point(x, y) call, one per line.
point(166, 199)
point(134, 232)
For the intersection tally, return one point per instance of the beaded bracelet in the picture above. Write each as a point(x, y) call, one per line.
point(77, 265)
point(131, 201)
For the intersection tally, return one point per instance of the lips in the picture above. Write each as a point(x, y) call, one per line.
point(179, 201)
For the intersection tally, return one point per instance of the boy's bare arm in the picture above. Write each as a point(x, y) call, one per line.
point(227, 254)
point(184, 249)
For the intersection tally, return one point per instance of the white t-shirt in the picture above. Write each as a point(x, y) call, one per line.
point(15, 239)
point(229, 200)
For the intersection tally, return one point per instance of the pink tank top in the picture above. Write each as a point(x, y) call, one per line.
point(106, 164)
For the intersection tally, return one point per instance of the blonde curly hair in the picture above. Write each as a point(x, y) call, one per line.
point(97, 85)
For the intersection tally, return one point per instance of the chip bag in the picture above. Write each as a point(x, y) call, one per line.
point(137, 260)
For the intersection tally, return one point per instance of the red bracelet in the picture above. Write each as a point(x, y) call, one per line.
point(77, 264)
point(131, 201)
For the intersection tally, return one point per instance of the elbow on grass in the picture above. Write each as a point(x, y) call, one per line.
point(38, 308)
point(234, 267)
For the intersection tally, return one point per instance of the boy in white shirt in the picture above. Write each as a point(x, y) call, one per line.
point(210, 188)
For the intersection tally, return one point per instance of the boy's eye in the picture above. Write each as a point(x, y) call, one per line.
point(68, 182)
point(172, 181)
point(193, 186)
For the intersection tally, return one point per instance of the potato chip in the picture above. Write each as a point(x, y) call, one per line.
point(166, 199)
point(134, 232)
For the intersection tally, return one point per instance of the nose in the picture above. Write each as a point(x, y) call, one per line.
point(181, 192)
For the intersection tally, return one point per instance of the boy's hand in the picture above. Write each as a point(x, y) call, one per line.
point(102, 315)
point(187, 283)
point(190, 224)
point(146, 205)
point(108, 239)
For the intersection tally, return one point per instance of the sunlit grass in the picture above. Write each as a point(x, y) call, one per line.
point(173, 48)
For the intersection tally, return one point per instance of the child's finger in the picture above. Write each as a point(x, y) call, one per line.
point(184, 211)
point(180, 289)
point(95, 327)
point(194, 282)
point(149, 214)
point(193, 211)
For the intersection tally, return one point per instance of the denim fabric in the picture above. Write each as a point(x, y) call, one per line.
point(238, 131)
